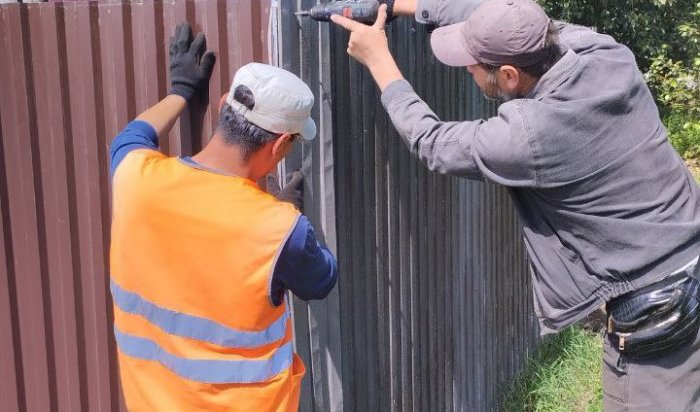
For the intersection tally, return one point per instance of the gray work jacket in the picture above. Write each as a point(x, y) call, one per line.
point(444, 12)
point(606, 203)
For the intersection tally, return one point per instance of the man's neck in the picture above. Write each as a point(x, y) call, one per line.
point(226, 158)
point(528, 83)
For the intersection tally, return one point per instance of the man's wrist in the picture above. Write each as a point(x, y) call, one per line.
point(185, 91)
point(385, 71)
point(404, 7)
point(178, 98)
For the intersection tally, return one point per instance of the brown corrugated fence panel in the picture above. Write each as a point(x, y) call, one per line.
point(72, 75)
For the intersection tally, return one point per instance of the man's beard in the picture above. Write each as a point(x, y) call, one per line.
point(499, 96)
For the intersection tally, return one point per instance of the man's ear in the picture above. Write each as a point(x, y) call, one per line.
point(510, 78)
point(282, 145)
point(222, 101)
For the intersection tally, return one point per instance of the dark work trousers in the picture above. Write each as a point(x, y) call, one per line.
point(667, 384)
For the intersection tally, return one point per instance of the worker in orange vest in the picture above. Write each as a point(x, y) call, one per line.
point(201, 257)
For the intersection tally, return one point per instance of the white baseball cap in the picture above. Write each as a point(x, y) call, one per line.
point(283, 101)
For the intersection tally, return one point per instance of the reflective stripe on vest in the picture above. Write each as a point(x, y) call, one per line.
point(207, 370)
point(188, 326)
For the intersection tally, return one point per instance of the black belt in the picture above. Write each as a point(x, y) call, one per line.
point(654, 320)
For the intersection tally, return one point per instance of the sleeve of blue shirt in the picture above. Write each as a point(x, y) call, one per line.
point(136, 135)
point(304, 266)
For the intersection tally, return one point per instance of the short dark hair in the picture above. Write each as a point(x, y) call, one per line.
point(537, 70)
point(235, 129)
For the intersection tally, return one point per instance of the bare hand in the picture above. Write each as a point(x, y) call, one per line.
point(368, 44)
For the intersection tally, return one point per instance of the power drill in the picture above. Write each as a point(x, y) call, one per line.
point(364, 11)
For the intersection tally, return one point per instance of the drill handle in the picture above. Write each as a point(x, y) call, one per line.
point(363, 11)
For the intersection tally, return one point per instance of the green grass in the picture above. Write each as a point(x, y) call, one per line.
point(563, 376)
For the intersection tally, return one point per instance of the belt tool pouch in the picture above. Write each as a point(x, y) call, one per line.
point(655, 320)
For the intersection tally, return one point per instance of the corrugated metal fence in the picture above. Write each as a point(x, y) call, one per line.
point(434, 302)
point(72, 75)
point(432, 310)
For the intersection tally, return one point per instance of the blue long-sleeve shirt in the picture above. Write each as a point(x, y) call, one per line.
point(304, 266)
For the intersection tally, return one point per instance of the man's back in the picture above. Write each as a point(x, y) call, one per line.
point(607, 205)
point(191, 287)
point(610, 202)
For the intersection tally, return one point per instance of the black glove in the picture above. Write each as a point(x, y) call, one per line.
point(190, 66)
point(292, 192)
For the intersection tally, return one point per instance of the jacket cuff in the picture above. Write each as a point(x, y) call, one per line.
point(426, 12)
point(443, 12)
point(395, 92)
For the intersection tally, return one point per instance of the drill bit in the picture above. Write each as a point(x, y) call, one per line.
point(303, 13)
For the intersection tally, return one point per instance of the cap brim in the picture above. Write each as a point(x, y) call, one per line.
point(308, 132)
point(448, 46)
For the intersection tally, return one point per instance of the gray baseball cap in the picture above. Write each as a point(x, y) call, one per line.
point(497, 32)
point(283, 101)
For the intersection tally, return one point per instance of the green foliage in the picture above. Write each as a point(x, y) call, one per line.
point(676, 82)
point(677, 90)
point(665, 37)
point(676, 85)
point(684, 133)
point(647, 27)
point(564, 375)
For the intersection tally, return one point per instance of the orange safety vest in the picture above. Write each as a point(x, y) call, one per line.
point(192, 256)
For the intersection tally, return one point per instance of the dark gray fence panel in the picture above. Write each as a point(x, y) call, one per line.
point(434, 303)
point(302, 46)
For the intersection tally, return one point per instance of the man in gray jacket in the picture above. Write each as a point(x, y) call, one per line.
point(610, 213)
